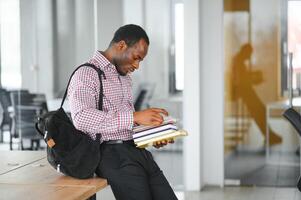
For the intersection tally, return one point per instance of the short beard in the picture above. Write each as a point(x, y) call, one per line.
point(119, 72)
point(114, 62)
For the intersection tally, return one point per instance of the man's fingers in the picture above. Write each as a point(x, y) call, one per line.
point(151, 116)
point(160, 110)
point(164, 142)
point(171, 141)
point(157, 117)
point(154, 122)
point(157, 145)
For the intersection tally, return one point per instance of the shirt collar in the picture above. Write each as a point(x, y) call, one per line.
point(101, 61)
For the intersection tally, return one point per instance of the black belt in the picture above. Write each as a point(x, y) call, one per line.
point(130, 142)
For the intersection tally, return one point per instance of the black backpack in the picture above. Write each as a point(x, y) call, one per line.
point(69, 150)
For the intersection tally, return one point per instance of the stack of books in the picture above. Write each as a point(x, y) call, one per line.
point(147, 135)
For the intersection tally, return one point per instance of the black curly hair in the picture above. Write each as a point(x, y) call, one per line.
point(131, 34)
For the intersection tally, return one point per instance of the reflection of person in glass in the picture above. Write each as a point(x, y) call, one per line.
point(243, 80)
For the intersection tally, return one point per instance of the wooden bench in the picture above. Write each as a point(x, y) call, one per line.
point(34, 178)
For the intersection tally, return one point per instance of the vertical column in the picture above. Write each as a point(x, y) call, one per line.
point(110, 16)
point(212, 90)
point(95, 16)
point(37, 45)
point(192, 155)
point(64, 43)
point(84, 30)
point(203, 95)
point(44, 47)
point(133, 14)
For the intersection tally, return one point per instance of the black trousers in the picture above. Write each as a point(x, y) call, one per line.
point(133, 174)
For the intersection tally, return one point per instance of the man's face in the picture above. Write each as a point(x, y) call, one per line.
point(129, 58)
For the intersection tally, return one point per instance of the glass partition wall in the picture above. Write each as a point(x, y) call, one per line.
point(261, 147)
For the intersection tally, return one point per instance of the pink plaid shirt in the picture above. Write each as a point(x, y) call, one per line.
point(116, 120)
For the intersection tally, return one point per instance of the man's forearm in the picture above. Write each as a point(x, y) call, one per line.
point(99, 122)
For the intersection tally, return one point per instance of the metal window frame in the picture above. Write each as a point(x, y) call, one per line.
point(284, 45)
point(172, 58)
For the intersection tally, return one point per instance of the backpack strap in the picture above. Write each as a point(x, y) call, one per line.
point(99, 72)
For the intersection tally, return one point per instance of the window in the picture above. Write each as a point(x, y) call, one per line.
point(177, 47)
point(10, 49)
point(291, 43)
point(294, 39)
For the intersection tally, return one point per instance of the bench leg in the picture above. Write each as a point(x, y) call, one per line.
point(93, 197)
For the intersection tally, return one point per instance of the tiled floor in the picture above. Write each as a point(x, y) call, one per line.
point(228, 193)
point(252, 169)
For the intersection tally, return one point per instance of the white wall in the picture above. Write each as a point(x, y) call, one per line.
point(57, 37)
point(75, 34)
point(133, 14)
point(28, 40)
point(72, 41)
point(84, 30)
point(110, 19)
point(45, 47)
point(157, 25)
point(37, 46)
point(154, 17)
point(64, 43)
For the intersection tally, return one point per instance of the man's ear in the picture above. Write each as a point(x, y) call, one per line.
point(121, 45)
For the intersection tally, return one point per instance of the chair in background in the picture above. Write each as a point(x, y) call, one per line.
point(144, 96)
point(5, 119)
point(25, 108)
point(295, 119)
point(5, 104)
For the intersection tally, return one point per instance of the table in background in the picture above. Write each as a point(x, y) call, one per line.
point(11, 160)
point(36, 179)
